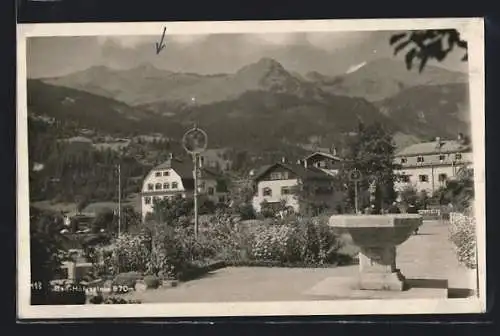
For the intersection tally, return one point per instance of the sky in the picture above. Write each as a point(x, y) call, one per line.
point(330, 53)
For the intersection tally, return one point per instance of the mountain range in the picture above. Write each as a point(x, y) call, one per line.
point(263, 103)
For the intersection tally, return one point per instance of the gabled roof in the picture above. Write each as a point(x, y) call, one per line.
point(426, 148)
point(328, 155)
point(300, 170)
point(185, 169)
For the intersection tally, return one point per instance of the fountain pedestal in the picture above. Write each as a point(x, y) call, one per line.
point(377, 276)
point(377, 236)
point(377, 269)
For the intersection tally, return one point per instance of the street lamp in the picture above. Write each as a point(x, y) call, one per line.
point(195, 142)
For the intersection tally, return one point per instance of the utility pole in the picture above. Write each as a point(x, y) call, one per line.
point(119, 200)
point(195, 173)
point(356, 197)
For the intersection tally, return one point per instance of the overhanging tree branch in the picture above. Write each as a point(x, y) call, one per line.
point(424, 45)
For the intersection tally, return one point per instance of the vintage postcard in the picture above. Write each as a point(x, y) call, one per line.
point(260, 168)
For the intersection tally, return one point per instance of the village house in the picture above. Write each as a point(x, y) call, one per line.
point(175, 177)
point(280, 185)
point(329, 163)
point(216, 159)
point(428, 166)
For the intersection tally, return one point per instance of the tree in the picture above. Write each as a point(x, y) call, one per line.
point(459, 192)
point(171, 211)
point(103, 220)
point(130, 218)
point(408, 195)
point(428, 44)
point(371, 152)
point(46, 244)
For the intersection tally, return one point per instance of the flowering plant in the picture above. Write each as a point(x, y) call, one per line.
point(463, 236)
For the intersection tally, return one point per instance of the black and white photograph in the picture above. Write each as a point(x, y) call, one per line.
point(331, 167)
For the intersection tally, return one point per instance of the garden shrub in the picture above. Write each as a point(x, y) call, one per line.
point(151, 281)
point(118, 300)
point(297, 240)
point(99, 299)
point(131, 253)
point(226, 240)
point(127, 280)
point(277, 243)
point(463, 237)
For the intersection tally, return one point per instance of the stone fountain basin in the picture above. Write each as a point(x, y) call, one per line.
point(377, 230)
point(377, 237)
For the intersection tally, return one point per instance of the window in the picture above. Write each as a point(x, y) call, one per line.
point(405, 178)
point(267, 192)
point(423, 178)
point(158, 174)
point(275, 176)
point(458, 156)
point(155, 199)
point(442, 157)
point(286, 190)
point(420, 159)
point(157, 186)
point(211, 190)
point(442, 177)
point(165, 173)
point(166, 186)
point(222, 199)
point(150, 186)
point(279, 176)
point(147, 200)
point(202, 185)
point(403, 160)
point(174, 185)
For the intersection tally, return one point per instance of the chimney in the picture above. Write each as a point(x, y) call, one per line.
point(171, 156)
point(305, 164)
point(299, 162)
point(283, 159)
point(333, 151)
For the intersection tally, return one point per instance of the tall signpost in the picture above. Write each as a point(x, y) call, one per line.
point(119, 200)
point(355, 176)
point(195, 142)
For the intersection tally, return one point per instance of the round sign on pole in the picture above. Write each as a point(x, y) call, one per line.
point(355, 175)
point(195, 140)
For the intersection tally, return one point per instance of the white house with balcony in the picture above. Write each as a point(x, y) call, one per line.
point(175, 177)
point(279, 185)
point(428, 166)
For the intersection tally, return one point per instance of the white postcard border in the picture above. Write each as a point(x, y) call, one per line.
point(472, 29)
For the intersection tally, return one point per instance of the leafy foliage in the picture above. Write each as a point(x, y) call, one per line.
point(463, 237)
point(458, 192)
point(296, 240)
point(46, 246)
point(371, 152)
point(428, 44)
point(75, 172)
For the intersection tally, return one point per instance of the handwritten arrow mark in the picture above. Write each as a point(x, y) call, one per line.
point(160, 46)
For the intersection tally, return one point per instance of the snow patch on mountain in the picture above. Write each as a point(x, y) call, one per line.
point(355, 68)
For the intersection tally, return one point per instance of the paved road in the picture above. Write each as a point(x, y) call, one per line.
point(427, 255)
